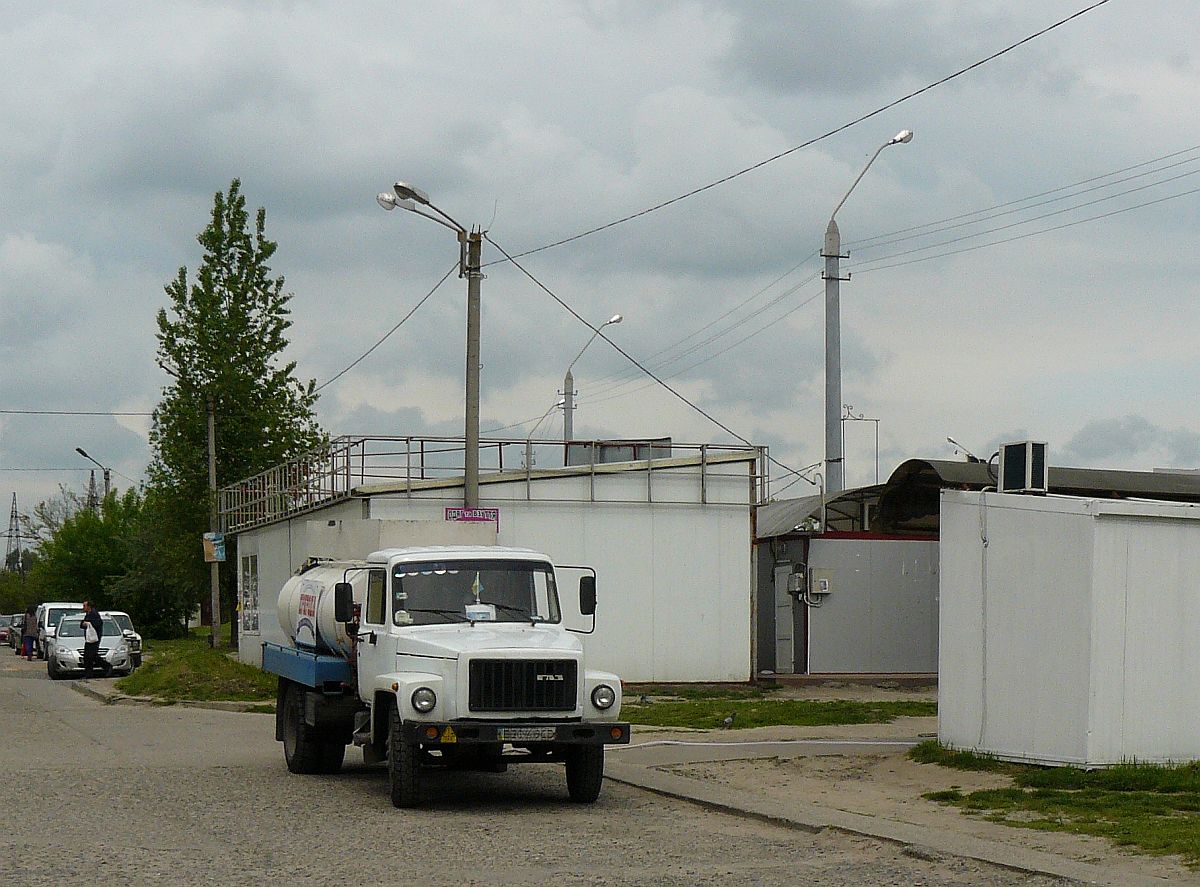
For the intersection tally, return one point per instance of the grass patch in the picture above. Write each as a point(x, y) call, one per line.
point(1154, 808)
point(189, 669)
point(749, 710)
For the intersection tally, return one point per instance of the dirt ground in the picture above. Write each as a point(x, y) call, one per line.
point(886, 784)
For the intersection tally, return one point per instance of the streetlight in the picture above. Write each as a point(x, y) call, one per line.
point(850, 416)
point(529, 437)
point(107, 471)
point(833, 334)
point(568, 401)
point(412, 198)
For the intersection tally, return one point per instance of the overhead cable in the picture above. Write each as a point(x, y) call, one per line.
point(385, 336)
point(812, 141)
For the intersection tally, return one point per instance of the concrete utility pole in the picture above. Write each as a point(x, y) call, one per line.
point(214, 567)
point(832, 253)
point(474, 241)
point(411, 198)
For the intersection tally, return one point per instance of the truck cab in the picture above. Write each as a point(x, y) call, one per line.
point(442, 657)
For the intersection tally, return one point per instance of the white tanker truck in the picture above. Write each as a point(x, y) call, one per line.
point(449, 657)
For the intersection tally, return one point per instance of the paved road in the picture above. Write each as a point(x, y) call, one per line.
point(169, 795)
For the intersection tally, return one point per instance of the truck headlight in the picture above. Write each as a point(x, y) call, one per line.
point(424, 699)
point(603, 696)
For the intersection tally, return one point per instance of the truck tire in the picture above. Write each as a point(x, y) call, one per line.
point(585, 772)
point(332, 755)
point(404, 766)
point(301, 749)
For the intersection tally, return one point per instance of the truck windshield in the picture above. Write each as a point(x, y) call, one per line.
point(436, 592)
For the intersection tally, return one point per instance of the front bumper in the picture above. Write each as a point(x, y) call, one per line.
point(437, 734)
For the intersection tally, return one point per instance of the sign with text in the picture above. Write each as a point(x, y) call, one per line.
point(214, 548)
point(474, 515)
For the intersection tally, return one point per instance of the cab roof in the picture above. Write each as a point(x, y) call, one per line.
point(456, 552)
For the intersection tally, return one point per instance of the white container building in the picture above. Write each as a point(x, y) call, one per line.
point(1069, 628)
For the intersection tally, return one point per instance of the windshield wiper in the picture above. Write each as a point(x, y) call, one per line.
point(439, 612)
point(533, 618)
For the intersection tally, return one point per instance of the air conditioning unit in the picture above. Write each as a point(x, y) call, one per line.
point(1023, 467)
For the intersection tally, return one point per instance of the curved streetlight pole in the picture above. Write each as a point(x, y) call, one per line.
point(832, 254)
point(470, 243)
point(568, 401)
point(107, 471)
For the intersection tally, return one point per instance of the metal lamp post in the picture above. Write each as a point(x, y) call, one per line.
point(470, 243)
point(568, 401)
point(833, 334)
point(850, 416)
point(107, 471)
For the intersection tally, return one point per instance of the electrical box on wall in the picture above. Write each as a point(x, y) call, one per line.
point(1023, 467)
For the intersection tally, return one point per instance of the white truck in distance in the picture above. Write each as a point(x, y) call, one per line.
point(451, 657)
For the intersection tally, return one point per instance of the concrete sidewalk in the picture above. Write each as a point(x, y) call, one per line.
point(644, 768)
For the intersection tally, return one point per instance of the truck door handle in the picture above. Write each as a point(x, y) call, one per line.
point(369, 637)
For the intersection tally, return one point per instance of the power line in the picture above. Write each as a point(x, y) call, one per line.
point(812, 141)
point(626, 354)
point(965, 249)
point(70, 413)
point(385, 336)
point(987, 218)
point(1087, 181)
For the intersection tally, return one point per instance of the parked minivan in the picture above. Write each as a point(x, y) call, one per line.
point(47, 617)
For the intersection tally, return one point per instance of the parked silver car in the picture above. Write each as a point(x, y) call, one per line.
point(65, 651)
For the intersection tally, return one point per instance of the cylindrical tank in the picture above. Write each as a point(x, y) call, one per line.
point(306, 606)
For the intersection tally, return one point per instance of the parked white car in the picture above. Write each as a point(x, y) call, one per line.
point(48, 615)
point(131, 636)
point(65, 654)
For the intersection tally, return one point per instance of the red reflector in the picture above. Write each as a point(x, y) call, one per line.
point(431, 732)
point(616, 732)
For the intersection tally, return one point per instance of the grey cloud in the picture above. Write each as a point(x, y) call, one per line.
point(1119, 440)
point(816, 46)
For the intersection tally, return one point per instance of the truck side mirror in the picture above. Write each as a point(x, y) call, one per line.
point(587, 595)
point(343, 602)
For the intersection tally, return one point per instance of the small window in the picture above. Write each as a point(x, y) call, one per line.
point(376, 584)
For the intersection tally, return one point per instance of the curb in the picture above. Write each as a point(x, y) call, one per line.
point(919, 841)
point(111, 696)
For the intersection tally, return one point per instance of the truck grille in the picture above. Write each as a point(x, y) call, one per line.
point(523, 685)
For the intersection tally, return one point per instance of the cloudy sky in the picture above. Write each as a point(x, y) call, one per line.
point(983, 305)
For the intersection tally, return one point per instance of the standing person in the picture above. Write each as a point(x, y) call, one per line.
point(93, 627)
point(28, 633)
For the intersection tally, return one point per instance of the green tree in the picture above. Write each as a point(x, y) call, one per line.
point(222, 338)
point(87, 551)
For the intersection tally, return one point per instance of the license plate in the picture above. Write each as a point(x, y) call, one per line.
point(525, 734)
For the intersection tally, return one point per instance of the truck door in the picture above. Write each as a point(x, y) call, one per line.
point(375, 650)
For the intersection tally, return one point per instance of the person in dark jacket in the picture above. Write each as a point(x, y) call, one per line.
point(93, 628)
point(29, 634)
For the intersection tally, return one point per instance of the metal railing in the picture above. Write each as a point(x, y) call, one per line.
point(332, 473)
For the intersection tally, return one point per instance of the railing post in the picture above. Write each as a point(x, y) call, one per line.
point(703, 474)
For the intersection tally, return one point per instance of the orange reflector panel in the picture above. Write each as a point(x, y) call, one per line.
point(431, 732)
point(615, 732)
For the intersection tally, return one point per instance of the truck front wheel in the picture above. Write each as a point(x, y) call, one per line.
point(585, 772)
point(404, 765)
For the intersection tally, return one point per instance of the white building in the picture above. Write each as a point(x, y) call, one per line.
point(1069, 628)
point(670, 536)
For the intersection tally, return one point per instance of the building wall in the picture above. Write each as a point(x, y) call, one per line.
point(882, 614)
point(674, 581)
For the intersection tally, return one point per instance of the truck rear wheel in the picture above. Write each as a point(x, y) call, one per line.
point(404, 764)
point(301, 749)
point(585, 772)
